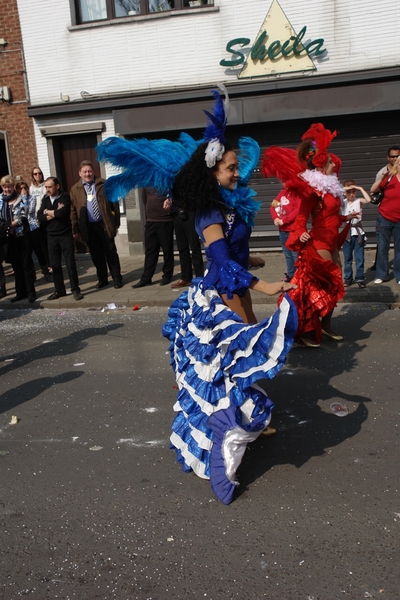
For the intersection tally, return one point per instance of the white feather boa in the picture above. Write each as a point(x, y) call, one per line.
point(326, 184)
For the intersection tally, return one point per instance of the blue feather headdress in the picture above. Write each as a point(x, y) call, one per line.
point(156, 163)
point(215, 131)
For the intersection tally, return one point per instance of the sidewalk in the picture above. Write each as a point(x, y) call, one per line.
point(156, 295)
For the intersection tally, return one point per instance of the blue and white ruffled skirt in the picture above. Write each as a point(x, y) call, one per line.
point(217, 359)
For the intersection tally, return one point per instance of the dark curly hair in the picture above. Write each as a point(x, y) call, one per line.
point(196, 187)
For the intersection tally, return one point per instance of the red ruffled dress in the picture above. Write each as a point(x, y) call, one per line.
point(319, 281)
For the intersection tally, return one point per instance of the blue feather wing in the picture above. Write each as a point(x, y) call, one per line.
point(248, 158)
point(143, 163)
point(189, 143)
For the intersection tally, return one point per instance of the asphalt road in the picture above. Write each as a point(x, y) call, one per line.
point(94, 506)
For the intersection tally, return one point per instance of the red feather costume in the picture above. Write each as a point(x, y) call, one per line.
point(319, 281)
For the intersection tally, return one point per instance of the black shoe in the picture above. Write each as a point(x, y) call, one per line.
point(165, 281)
point(56, 295)
point(17, 298)
point(32, 298)
point(77, 295)
point(118, 284)
point(101, 284)
point(142, 283)
point(46, 273)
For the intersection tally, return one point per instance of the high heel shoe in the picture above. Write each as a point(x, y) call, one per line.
point(332, 335)
point(308, 342)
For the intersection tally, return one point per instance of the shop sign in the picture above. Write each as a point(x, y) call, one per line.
point(278, 48)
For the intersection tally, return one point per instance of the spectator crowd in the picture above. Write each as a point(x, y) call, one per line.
point(40, 223)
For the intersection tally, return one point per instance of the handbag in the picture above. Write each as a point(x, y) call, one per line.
point(379, 195)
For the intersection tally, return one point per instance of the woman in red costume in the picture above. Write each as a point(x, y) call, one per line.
point(313, 177)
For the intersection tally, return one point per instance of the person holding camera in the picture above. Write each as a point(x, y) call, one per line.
point(388, 223)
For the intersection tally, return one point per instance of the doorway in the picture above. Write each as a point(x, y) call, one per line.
point(69, 152)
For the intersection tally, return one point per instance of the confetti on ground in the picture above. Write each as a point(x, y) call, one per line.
point(78, 364)
point(14, 420)
point(96, 448)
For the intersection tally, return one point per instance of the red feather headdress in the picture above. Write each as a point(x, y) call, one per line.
point(320, 140)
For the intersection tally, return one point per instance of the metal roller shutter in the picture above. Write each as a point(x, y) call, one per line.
point(362, 143)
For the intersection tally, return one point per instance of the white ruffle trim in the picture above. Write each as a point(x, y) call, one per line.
point(326, 184)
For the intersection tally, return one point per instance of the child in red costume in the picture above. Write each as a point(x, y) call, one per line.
point(284, 209)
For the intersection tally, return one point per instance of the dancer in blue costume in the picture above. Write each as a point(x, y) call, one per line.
point(218, 350)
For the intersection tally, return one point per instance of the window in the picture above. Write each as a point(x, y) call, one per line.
point(101, 10)
point(4, 157)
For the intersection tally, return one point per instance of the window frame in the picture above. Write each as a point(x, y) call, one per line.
point(144, 10)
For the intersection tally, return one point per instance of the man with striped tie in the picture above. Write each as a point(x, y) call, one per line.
point(95, 221)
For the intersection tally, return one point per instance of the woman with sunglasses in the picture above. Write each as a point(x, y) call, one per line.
point(36, 193)
point(35, 231)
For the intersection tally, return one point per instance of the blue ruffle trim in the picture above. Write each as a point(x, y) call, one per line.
point(229, 279)
point(216, 358)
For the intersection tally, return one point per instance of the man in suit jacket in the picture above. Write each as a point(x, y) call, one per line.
point(55, 211)
point(95, 221)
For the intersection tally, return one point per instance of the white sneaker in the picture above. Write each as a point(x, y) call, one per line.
point(378, 281)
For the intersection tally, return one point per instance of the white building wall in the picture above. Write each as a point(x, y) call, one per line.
point(165, 52)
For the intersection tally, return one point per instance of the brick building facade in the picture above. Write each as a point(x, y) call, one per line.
point(17, 140)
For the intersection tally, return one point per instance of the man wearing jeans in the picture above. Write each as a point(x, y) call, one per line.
point(55, 212)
